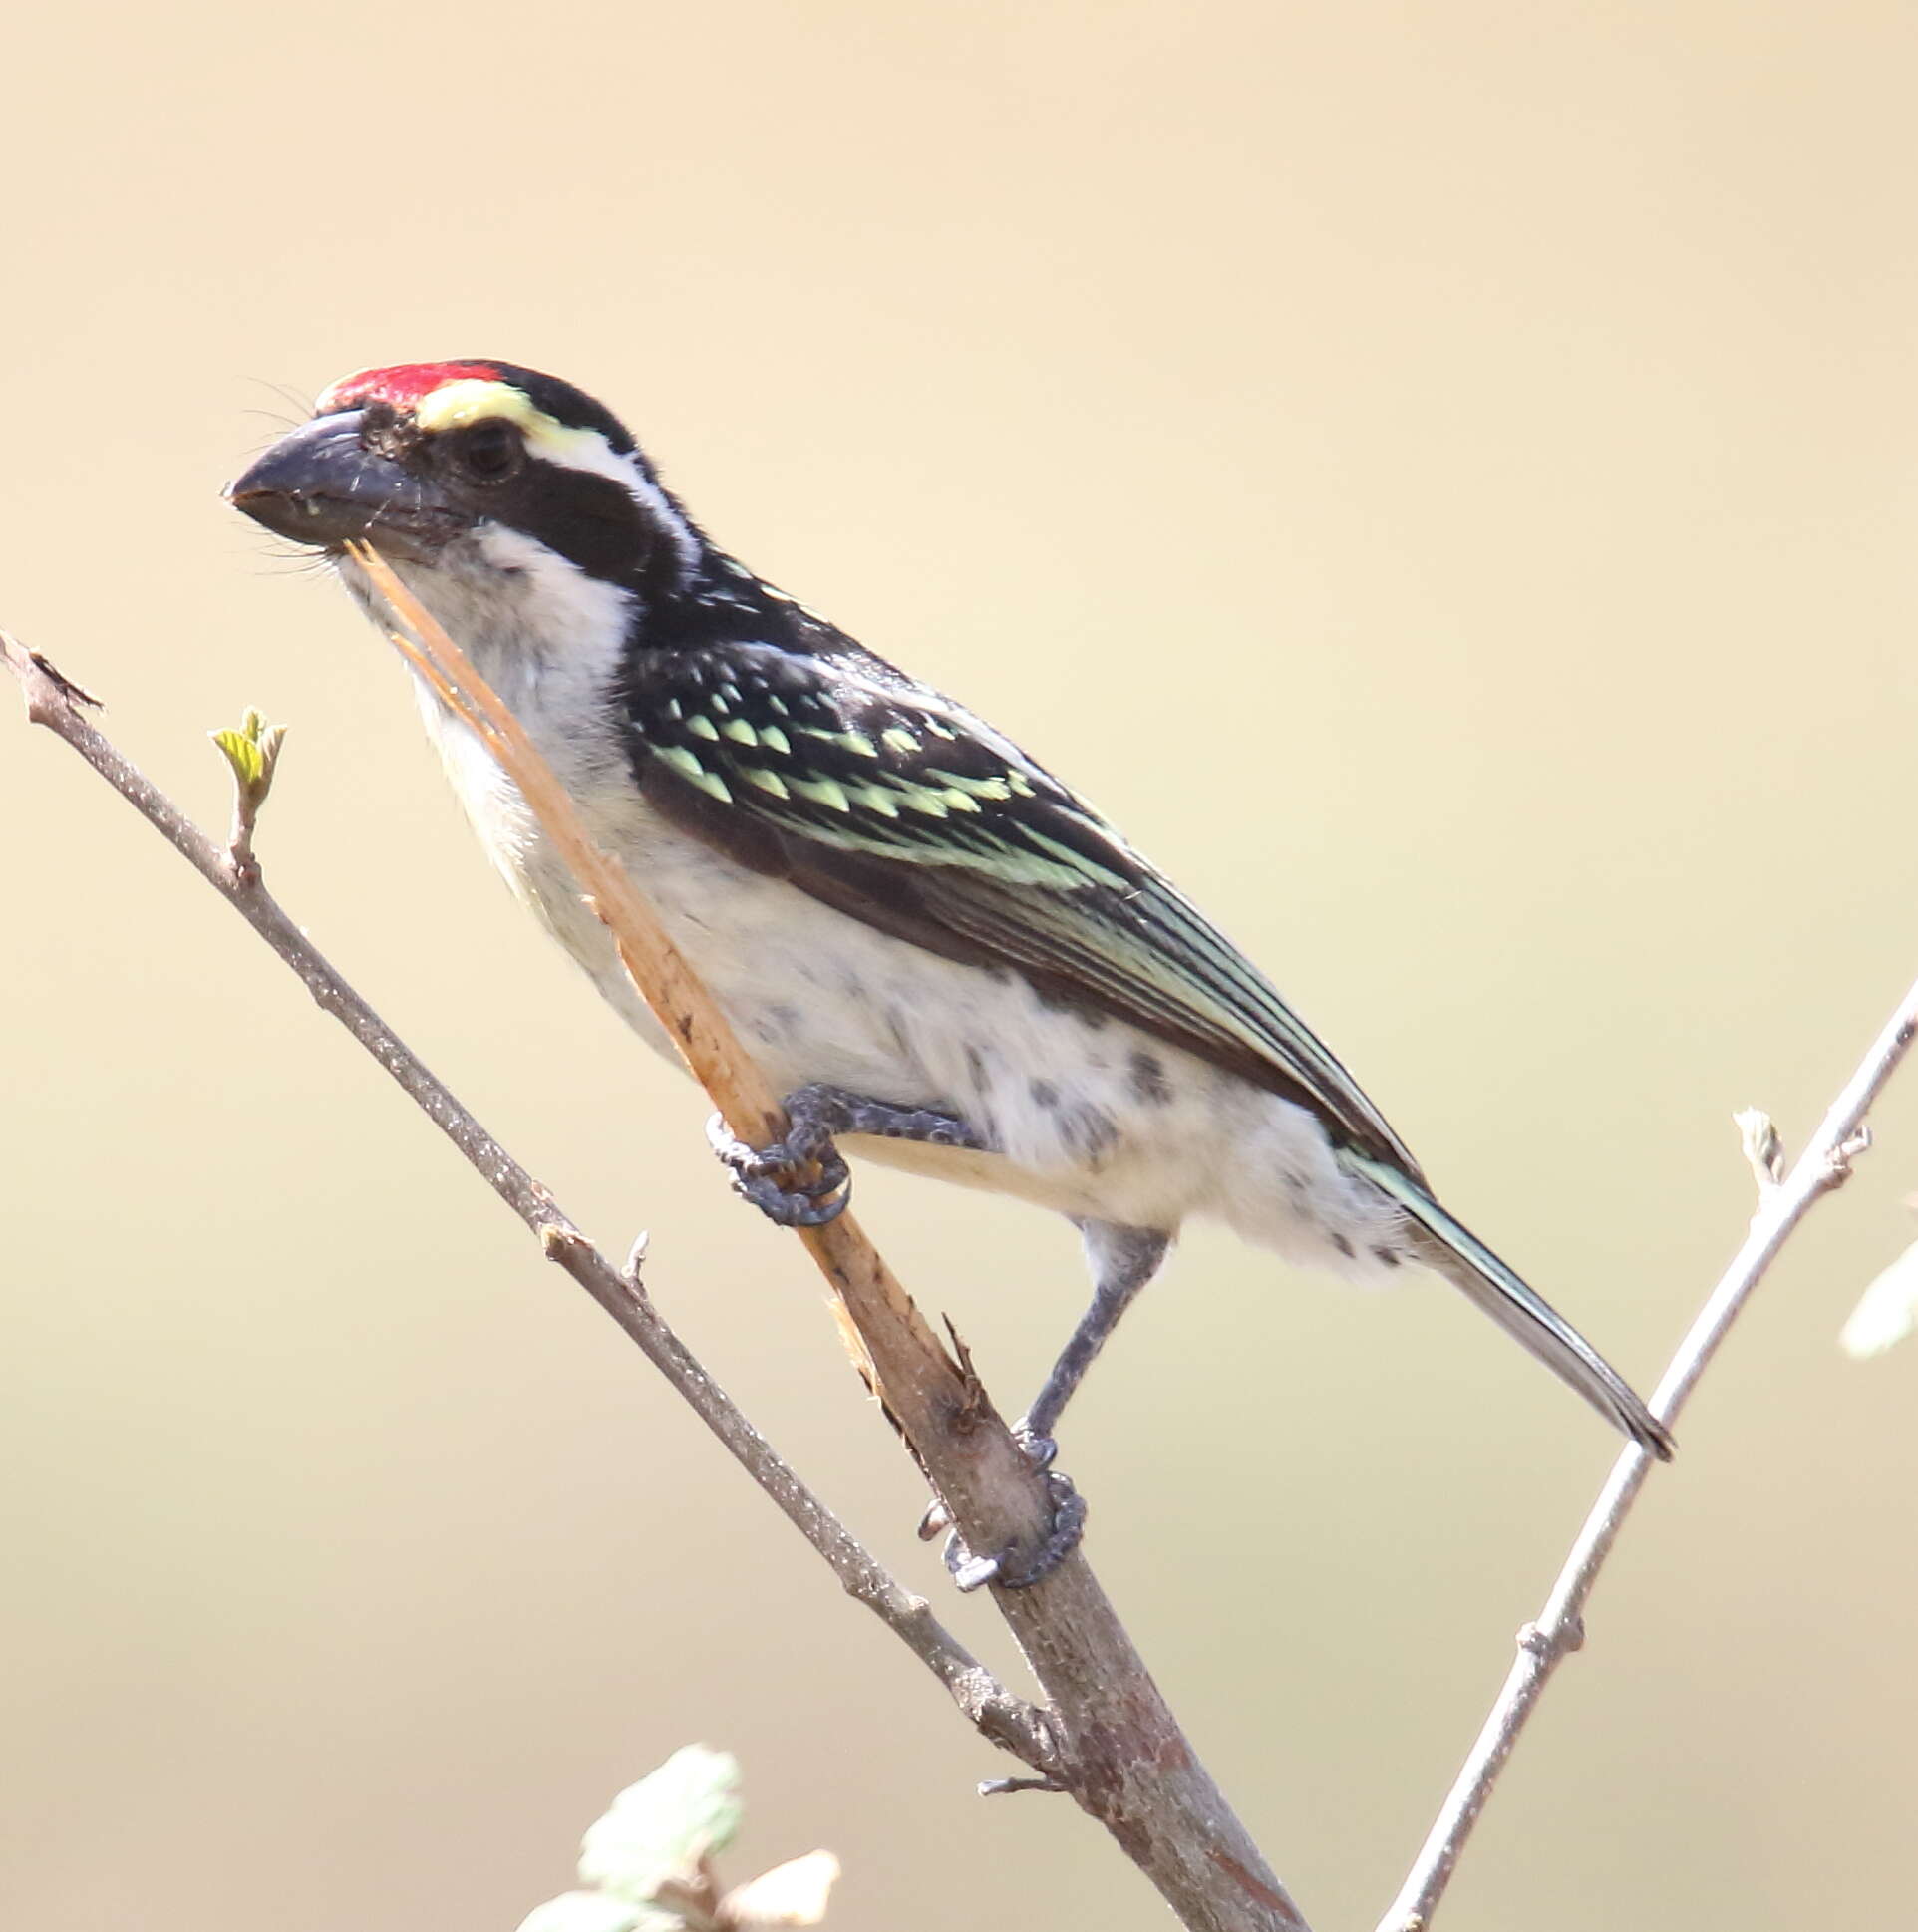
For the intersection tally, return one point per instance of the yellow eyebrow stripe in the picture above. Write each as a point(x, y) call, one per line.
point(454, 405)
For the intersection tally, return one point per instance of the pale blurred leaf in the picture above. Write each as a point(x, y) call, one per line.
point(596, 1912)
point(1886, 1312)
point(793, 1893)
point(660, 1831)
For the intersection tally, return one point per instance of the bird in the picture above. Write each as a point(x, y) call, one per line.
point(945, 958)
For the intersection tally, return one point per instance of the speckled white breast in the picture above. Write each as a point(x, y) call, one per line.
point(1091, 1117)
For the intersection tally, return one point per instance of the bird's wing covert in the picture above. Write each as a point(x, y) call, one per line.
point(878, 796)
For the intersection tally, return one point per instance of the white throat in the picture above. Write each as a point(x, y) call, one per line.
point(549, 639)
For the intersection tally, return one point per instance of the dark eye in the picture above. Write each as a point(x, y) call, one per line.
point(488, 453)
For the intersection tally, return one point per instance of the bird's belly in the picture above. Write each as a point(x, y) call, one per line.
point(1085, 1116)
point(1084, 1113)
point(1064, 1190)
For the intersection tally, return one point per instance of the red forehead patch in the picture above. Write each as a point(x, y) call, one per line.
point(406, 385)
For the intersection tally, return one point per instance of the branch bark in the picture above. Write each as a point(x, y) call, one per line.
point(1008, 1720)
point(1559, 1629)
point(1107, 1735)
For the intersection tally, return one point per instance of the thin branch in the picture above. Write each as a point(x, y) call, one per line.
point(1007, 1720)
point(1122, 1753)
point(1783, 1201)
point(1107, 1737)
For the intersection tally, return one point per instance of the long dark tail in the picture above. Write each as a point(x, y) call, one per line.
point(1452, 1250)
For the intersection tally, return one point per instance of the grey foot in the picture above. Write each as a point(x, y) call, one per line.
point(768, 1176)
point(815, 1114)
point(819, 1111)
point(971, 1572)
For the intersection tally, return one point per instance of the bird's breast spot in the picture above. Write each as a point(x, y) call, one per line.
point(1089, 1133)
point(1148, 1080)
point(774, 1024)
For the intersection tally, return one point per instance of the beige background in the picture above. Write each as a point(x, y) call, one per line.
point(1441, 476)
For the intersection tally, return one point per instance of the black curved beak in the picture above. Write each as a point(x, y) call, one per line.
point(322, 485)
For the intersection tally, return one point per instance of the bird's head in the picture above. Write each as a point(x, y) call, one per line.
point(472, 466)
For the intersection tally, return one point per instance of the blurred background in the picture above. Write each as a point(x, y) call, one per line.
point(1441, 477)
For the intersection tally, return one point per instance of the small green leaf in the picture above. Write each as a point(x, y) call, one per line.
point(252, 751)
point(243, 755)
point(660, 1832)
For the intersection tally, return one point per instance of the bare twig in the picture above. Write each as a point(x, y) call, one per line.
point(1107, 1737)
point(1007, 1720)
point(1783, 1201)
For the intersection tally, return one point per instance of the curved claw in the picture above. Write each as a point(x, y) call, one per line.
point(792, 1206)
point(970, 1572)
point(759, 1175)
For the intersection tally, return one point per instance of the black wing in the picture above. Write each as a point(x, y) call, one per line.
point(881, 798)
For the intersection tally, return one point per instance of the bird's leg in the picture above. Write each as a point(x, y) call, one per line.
point(815, 1115)
point(1122, 1260)
point(768, 1176)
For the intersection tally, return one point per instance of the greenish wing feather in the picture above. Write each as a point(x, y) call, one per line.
point(973, 836)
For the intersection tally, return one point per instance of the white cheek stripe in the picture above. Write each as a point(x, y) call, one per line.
point(455, 405)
